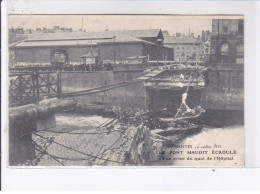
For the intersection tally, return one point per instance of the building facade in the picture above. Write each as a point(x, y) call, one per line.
point(227, 41)
point(67, 48)
point(185, 48)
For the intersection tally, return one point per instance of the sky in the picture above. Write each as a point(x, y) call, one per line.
point(171, 23)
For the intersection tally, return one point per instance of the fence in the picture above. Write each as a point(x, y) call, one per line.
point(31, 87)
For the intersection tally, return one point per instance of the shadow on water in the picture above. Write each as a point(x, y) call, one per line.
point(220, 118)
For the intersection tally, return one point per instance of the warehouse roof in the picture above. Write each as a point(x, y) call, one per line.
point(124, 38)
point(85, 38)
point(53, 43)
point(92, 35)
point(119, 38)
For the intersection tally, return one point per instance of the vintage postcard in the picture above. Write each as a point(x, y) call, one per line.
point(126, 90)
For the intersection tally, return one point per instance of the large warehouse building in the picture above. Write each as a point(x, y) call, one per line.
point(69, 47)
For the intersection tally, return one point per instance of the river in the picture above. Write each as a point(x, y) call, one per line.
point(211, 147)
point(191, 152)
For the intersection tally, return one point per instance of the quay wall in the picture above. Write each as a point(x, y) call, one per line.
point(131, 95)
point(224, 89)
point(134, 95)
point(24, 120)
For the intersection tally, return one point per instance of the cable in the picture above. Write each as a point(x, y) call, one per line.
point(117, 117)
point(75, 159)
point(86, 154)
point(103, 122)
point(112, 144)
point(117, 130)
point(42, 150)
point(90, 133)
point(77, 133)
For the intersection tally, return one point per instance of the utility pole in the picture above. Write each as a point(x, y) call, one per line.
point(82, 24)
point(124, 23)
point(114, 49)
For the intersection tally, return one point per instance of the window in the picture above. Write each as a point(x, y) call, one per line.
point(240, 53)
point(225, 27)
point(224, 49)
point(240, 60)
point(59, 57)
point(240, 49)
point(240, 27)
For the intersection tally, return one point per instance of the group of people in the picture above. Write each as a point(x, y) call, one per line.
point(65, 67)
point(88, 67)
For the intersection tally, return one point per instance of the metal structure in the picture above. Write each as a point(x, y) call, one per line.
point(31, 87)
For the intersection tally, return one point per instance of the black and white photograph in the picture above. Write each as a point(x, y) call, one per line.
point(126, 90)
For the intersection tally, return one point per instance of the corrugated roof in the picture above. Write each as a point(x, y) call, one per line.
point(119, 38)
point(92, 35)
point(85, 38)
point(142, 33)
point(54, 43)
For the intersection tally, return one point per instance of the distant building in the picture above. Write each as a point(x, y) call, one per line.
point(56, 28)
point(227, 41)
point(185, 48)
point(165, 33)
point(38, 30)
point(17, 30)
point(178, 34)
point(205, 50)
point(28, 31)
point(205, 35)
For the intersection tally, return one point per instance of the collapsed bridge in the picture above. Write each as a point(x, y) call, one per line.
point(122, 88)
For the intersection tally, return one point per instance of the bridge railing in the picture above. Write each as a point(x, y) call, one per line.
point(31, 87)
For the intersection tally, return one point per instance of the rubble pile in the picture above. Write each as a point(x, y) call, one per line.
point(128, 137)
point(88, 109)
point(133, 149)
